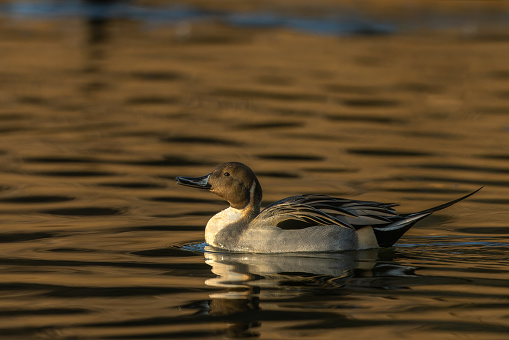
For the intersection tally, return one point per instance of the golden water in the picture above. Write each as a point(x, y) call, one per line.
point(97, 117)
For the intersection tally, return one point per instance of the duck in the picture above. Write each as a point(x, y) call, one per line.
point(303, 223)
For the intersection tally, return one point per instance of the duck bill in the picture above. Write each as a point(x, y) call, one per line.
point(195, 182)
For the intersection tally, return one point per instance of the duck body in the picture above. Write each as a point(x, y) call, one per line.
point(304, 223)
point(262, 235)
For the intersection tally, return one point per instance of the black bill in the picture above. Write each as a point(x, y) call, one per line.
point(195, 182)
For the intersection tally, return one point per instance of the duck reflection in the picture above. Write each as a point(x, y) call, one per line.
point(249, 280)
point(236, 270)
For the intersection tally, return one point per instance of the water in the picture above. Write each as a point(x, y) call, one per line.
point(99, 113)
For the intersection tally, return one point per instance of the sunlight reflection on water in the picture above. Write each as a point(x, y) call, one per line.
point(103, 104)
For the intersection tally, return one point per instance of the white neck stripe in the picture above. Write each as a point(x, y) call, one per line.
point(252, 192)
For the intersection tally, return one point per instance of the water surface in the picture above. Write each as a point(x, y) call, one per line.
point(102, 107)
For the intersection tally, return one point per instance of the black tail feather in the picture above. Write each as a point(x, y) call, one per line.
point(443, 206)
point(389, 234)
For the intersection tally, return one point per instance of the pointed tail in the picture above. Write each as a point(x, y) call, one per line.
point(388, 234)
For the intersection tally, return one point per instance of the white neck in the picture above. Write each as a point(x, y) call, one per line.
point(228, 217)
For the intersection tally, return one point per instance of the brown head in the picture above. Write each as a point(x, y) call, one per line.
point(233, 181)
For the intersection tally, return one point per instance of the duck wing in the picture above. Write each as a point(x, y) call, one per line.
point(355, 213)
point(294, 215)
point(310, 210)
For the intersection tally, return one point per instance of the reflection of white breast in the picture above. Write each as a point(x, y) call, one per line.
point(219, 221)
point(237, 267)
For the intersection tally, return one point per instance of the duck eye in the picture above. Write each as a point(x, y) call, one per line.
point(227, 174)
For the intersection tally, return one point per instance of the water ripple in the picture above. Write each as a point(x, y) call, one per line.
point(132, 185)
point(152, 100)
point(169, 161)
point(271, 95)
point(370, 102)
point(269, 125)
point(85, 211)
point(159, 75)
point(59, 160)
point(365, 118)
point(76, 173)
point(287, 157)
point(34, 199)
point(277, 174)
point(201, 140)
point(23, 237)
point(178, 199)
point(389, 152)
point(461, 167)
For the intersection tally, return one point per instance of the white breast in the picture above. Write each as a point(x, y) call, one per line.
point(219, 221)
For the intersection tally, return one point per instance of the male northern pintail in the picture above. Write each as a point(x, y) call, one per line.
point(305, 223)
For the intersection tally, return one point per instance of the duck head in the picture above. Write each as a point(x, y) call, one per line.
point(232, 181)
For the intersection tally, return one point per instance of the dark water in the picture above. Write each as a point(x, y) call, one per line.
point(103, 103)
